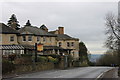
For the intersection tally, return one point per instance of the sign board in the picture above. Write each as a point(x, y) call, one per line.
point(39, 47)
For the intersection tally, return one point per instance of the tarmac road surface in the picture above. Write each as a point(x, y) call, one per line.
point(81, 72)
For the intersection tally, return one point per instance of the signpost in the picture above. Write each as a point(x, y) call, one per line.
point(35, 52)
point(38, 47)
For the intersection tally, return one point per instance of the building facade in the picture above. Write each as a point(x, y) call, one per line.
point(22, 40)
point(9, 40)
point(67, 42)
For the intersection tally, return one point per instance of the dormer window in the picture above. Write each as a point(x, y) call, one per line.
point(29, 38)
point(11, 38)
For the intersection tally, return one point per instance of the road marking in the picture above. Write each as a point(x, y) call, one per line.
point(100, 76)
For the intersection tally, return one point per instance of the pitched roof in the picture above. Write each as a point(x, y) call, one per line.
point(65, 37)
point(4, 29)
point(53, 32)
point(43, 27)
point(35, 31)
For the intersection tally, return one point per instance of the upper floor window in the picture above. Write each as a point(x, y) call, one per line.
point(11, 38)
point(60, 44)
point(68, 44)
point(29, 38)
point(38, 38)
point(72, 43)
point(24, 38)
point(44, 39)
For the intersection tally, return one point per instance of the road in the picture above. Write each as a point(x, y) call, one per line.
point(82, 72)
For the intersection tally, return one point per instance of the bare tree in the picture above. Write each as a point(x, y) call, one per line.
point(113, 33)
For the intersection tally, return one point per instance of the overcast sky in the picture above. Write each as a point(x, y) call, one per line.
point(83, 20)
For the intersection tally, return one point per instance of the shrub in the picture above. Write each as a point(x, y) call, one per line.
point(42, 59)
point(53, 60)
point(23, 60)
point(84, 64)
point(26, 55)
point(55, 56)
point(76, 63)
point(12, 57)
point(70, 58)
point(7, 66)
point(91, 63)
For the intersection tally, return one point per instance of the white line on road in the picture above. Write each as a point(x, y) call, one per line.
point(100, 76)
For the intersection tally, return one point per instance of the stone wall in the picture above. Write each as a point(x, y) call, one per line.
point(26, 68)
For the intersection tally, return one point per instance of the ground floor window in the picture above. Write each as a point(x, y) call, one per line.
point(0, 38)
point(8, 52)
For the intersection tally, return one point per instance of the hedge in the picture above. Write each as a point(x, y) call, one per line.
point(7, 66)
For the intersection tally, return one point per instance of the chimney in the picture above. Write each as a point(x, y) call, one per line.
point(60, 30)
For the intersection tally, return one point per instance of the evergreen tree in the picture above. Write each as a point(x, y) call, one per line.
point(28, 23)
point(13, 22)
point(83, 52)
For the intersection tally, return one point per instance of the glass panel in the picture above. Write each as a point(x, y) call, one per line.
point(38, 38)
point(72, 44)
point(11, 38)
point(68, 44)
point(29, 38)
point(44, 39)
point(24, 38)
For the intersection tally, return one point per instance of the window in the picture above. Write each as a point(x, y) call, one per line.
point(72, 43)
point(50, 39)
point(38, 38)
point(44, 39)
point(8, 52)
point(68, 44)
point(29, 38)
point(24, 38)
point(11, 38)
point(0, 38)
point(60, 44)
